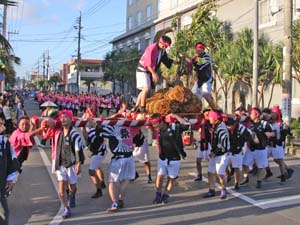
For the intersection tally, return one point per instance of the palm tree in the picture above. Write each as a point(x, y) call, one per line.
point(5, 46)
point(120, 66)
point(54, 80)
point(296, 49)
point(7, 60)
point(88, 83)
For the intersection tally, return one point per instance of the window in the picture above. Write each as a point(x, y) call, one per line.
point(267, 12)
point(174, 4)
point(137, 45)
point(147, 41)
point(129, 44)
point(130, 23)
point(296, 7)
point(186, 22)
point(149, 12)
point(130, 2)
point(138, 18)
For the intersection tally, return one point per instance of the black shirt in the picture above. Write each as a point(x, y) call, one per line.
point(66, 155)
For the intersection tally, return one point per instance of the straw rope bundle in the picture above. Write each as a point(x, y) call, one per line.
point(176, 100)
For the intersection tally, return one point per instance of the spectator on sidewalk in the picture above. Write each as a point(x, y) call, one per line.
point(9, 167)
point(22, 138)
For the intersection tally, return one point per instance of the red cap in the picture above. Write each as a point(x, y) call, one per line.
point(255, 111)
point(66, 112)
point(199, 46)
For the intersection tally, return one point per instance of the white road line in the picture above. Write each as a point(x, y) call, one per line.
point(264, 203)
point(277, 202)
point(57, 219)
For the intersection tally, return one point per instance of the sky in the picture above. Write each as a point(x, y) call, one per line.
point(36, 27)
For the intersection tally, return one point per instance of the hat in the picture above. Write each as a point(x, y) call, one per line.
point(199, 46)
point(255, 110)
point(67, 113)
point(214, 114)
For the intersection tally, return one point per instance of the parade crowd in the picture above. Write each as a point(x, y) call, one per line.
point(231, 144)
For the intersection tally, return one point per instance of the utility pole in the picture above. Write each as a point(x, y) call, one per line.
point(255, 56)
point(47, 65)
point(78, 52)
point(4, 35)
point(38, 69)
point(44, 65)
point(287, 62)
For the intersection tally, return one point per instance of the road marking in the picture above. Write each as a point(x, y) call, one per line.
point(264, 203)
point(57, 219)
point(277, 202)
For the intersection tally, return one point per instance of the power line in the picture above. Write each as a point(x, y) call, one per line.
point(96, 7)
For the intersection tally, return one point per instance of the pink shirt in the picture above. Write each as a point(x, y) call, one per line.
point(19, 140)
point(150, 56)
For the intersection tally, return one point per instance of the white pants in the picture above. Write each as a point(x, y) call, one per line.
point(67, 174)
point(278, 152)
point(236, 160)
point(141, 153)
point(142, 80)
point(206, 88)
point(121, 169)
point(204, 154)
point(171, 169)
point(260, 157)
point(96, 161)
point(218, 164)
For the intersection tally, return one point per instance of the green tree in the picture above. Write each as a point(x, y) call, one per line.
point(88, 83)
point(121, 66)
point(277, 78)
point(208, 29)
point(241, 61)
point(41, 84)
point(31, 85)
point(54, 80)
point(270, 67)
point(7, 59)
point(296, 50)
point(185, 39)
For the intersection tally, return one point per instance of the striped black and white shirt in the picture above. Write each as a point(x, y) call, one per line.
point(96, 142)
point(220, 139)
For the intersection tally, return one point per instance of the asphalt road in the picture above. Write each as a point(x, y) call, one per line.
point(34, 200)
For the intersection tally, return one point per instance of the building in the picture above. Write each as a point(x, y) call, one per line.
point(90, 71)
point(36, 77)
point(139, 25)
point(64, 71)
point(144, 27)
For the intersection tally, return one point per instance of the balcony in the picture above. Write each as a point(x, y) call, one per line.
point(91, 75)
